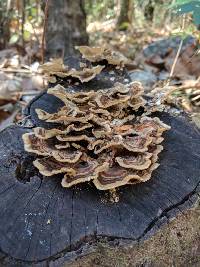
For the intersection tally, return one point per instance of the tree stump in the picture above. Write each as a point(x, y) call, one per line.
point(43, 224)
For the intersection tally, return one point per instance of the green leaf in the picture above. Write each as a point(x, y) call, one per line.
point(196, 17)
point(27, 35)
point(186, 8)
point(186, 4)
point(14, 38)
point(181, 34)
point(179, 3)
point(124, 26)
point(33, 11)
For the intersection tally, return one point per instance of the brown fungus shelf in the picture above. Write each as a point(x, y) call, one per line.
point(107, 143)
point(44, 224)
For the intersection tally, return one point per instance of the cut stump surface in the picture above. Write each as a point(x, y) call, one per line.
point(41, 221)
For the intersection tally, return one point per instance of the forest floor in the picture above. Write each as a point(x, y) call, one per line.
point(151, 63)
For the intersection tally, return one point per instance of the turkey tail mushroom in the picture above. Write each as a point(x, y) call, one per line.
point(100, 137)
point(99, 54)
point(56, 68)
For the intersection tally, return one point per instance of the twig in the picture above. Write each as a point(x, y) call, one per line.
point(23, 71)
point(23, 21)
point(176, 58)
point(26, 93)
point(183, 87)
point(9, 120)
point(177, 54)
point(44, 28)
point(167, 89)
point(34, 32)
point(15, 70)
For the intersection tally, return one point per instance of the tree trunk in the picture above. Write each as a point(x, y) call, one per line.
point(4, 25)
point(149, 11)
point(125, 15)
point(43, 224)
point(66, 27)
point(151, 7)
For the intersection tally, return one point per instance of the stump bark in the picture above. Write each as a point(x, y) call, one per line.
point(66, 27)
point(43, 224)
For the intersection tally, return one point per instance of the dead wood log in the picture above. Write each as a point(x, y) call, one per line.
point(43, 224)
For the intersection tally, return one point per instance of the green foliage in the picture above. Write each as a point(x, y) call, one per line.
point(14, 39)
point(124, 26)
point(188, 6)
point(100, 9)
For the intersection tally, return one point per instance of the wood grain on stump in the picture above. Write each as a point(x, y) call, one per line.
point(41, 222)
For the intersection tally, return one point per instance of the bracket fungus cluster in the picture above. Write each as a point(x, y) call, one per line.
point(98, 54)
point(57, 68)
point(100, 135)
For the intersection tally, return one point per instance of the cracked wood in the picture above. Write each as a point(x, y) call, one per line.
point(41, 221)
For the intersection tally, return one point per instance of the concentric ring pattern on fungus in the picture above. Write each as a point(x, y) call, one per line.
point(100, 137)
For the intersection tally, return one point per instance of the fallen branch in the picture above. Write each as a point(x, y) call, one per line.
point(177, 54)
point(44, 29)
point(194, 85)
point(19, 71)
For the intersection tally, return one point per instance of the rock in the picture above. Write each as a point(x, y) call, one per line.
point(162, 47)
point(161, 54)
point(147, 78)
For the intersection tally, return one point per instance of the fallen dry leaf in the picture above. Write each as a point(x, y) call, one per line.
point(196, 119)
point(8, 86)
